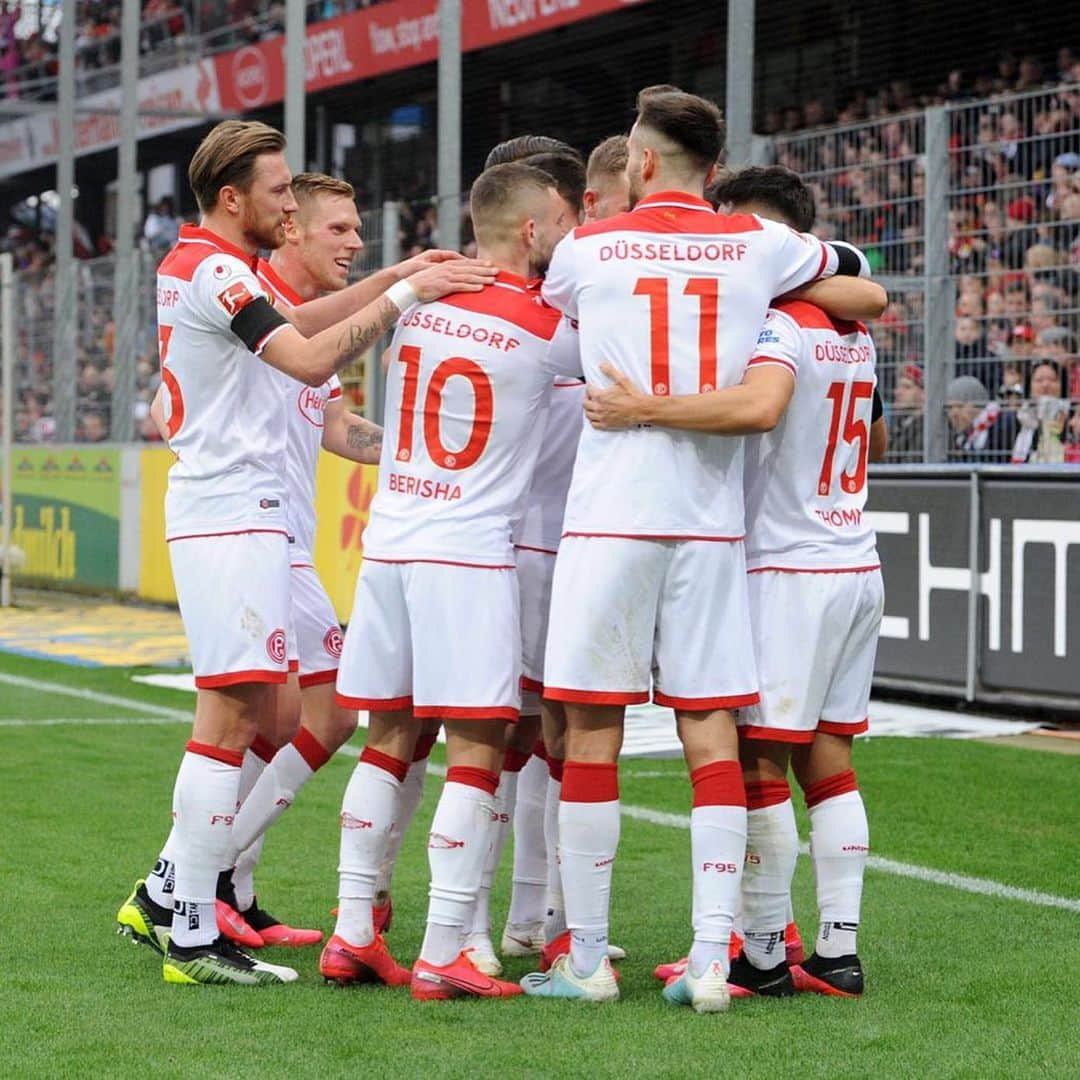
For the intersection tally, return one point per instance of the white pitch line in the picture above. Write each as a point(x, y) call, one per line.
point(981, 886)
point(93, 695)
point(93, 721)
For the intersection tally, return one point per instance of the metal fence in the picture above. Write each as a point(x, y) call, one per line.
point(970, 213)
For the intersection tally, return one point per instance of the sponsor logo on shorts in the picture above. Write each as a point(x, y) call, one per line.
point(275, 646)
point(333, 641)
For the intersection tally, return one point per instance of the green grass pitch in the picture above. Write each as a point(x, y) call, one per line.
point(959, 985)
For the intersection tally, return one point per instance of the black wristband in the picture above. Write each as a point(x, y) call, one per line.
point(877, 409)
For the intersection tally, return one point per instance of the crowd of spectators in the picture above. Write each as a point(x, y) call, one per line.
point(28, 61)
point(1013, 190)
point(1013, 245)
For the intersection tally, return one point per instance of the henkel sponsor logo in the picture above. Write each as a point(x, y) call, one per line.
point(311, 401)
point(250, 76)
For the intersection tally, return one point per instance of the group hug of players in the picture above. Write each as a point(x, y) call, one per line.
point(624, 460)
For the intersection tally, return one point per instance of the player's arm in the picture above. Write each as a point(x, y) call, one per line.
point(845, 297)
point(350, 436)
point(879, 429)
point(313, 360)
point(755, 405)
point(320, 314)
point(157, 413)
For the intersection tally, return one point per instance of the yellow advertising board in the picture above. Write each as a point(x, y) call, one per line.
point(155, 573)
point(343, 497)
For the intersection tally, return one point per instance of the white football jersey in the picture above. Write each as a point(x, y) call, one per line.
point(305, 408)
point(806, 479)
point(469, 380)
point(224, 407)
point(541, 521)
point(673, 295)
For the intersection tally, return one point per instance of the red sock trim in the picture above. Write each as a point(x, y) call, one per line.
point(263, 748)
point(515, 760)
point(590, 781)
point(763, 793)
point(394, 766)
point(719, 783)
point(555, 768)
point(311, 750)
point(423, 747)
point(540, 750)
point(838, 784)
point(215, 753)
point(484, 779)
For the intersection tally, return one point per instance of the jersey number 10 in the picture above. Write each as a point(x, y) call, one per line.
point(483, 403)
point(854, 431)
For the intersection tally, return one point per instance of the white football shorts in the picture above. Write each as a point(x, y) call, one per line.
point(535, 570)
point(318, 633)
point(627, 612)
point(233, 592)
point(442, 640)
point(815, 637)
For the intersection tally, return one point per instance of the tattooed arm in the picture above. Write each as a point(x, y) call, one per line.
point(314, 359)
point(350, 436)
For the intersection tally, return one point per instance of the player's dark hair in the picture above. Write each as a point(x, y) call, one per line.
point(692, 123)
point(568, 172)
point(227, 156)
point(498, 193)
point(782, 190)
point(607, 159)
point(522, 146)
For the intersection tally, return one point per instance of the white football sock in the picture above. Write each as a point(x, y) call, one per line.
point(772, 846)
point(275, 790)
point(243, 868)
point(204, 806)
point(368, 810)
point(839, 847)
point(555, 917)
point(412, 792)
point(529, 892)
point(457, 848)
point(161, 881)
point(718, 848)
point(588, 841)
point(505, 801)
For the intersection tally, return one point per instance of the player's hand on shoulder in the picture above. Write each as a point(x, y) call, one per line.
point(426, 259)
point(450, 276)
point(615, 407)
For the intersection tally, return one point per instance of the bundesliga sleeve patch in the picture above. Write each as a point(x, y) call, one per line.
point(235, 298)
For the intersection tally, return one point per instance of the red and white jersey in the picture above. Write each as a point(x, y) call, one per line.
point(306, 409)
point(541, 523)
point(469, 380)
point(673, 295)
point(805, 480)
point(224, 407)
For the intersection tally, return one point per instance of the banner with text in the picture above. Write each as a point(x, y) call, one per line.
point(66, 514)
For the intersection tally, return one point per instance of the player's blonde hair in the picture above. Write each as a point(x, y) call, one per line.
point(308, 186)
point(227, 156)
point(607, 159)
